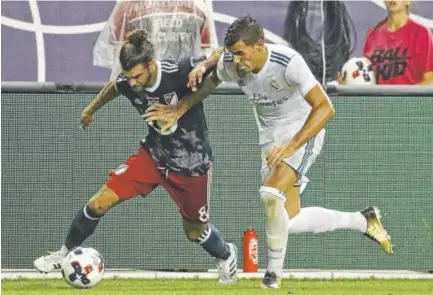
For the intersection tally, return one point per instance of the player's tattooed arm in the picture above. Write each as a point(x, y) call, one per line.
point(208, 86)
point(108, 93)
point(171, 114)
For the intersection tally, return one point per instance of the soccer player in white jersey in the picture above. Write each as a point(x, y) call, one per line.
point(291, 110)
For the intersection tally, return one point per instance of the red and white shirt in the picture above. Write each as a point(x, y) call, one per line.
point(400, 57)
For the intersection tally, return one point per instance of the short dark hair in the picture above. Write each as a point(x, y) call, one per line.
point(136, 50)
point(246, 29)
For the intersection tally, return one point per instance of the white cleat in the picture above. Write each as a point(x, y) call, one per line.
point(227, 269)
point(50, 262)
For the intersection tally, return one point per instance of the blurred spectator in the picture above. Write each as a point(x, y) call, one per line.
point(177, 29)
point(323, 33)
point(400, 49)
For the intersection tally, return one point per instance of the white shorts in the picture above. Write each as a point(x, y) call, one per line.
point(301, 160)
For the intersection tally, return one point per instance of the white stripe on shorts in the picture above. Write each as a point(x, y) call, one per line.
point(307, 155)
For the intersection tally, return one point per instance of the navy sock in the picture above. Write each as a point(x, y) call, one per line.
point(213, 243)
point(83, 225)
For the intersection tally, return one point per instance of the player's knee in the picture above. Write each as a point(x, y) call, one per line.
point(192, 234)
point(103, 201)
point(272, 201)
point(97, 206)
point(193, 231)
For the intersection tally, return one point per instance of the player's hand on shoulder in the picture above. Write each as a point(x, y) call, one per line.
point(167, 114)
point(86, 119)
point(196, 76)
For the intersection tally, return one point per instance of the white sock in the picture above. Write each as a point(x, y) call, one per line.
point(317, 220)
point(277, 231)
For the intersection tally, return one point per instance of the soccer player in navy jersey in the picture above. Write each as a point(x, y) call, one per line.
point(180, 159)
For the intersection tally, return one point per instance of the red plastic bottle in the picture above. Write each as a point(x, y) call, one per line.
point(250, 251)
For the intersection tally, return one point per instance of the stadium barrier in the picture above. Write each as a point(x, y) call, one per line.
point(378, 151)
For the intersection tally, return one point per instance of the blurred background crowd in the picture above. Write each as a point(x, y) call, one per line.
point(345, 42)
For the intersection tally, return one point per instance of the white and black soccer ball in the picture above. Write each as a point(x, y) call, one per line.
point(83, 267)
point(358, 71)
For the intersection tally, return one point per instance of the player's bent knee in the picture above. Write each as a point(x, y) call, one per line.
point(193, 230)
point(272, 200)
point(192, 234)
point(103, 200)
point(282, 177)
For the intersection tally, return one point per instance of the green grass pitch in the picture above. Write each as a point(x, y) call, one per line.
point(211, 287)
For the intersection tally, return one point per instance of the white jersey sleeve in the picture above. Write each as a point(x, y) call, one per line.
point(298, 73)
point(222, 70)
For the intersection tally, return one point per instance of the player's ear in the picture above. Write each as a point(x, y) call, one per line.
point(260, 45)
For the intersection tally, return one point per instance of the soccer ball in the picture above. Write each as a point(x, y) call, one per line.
point(83, 267)
point(358, 71)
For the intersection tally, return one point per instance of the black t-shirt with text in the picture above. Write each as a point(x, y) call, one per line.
point(187, 150)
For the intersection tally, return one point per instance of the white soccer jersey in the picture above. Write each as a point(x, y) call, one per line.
point(276, 92)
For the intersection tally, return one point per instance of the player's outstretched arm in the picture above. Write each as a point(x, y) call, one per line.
point(108, 93)
point(171, 114)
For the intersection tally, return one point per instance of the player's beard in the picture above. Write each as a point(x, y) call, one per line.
point(142, 86)
point(138, 88)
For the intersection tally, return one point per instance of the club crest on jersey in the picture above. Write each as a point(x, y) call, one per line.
point(274, 85)
point(171, 98)
point(241, 83)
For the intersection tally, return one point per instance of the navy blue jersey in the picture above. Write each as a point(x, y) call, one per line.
point(187, 150)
